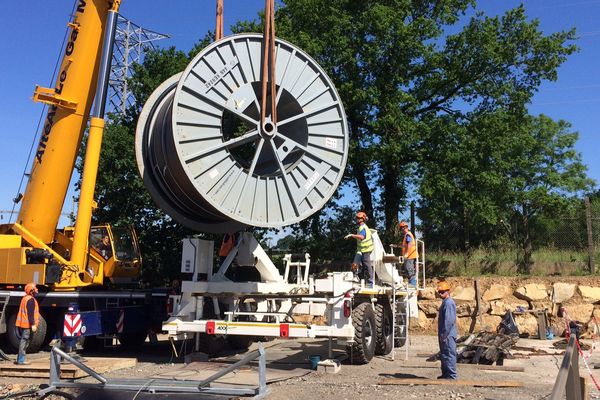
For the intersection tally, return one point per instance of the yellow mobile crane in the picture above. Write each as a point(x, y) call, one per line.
point(69, 264)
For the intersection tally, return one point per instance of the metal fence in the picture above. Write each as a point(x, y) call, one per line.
point(577, 231)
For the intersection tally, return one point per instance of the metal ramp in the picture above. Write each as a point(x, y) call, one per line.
point(159, 385)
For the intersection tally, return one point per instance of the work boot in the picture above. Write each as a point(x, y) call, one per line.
point(22, 362)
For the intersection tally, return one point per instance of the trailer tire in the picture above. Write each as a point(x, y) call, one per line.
point(36, 340)
point(363, 348)
point(385, 325)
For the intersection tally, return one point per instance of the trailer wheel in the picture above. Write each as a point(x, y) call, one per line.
point(384, 323)
point(363, 348)
point(35, 341)
point(400, 328)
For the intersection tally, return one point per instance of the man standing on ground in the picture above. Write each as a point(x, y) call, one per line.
point(447, 332)
point(364, 247)
point(28, 320)
point(409, 253)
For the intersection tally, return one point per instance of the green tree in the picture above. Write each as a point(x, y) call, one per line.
point(398, 71)
point(495, 174)
point(545, 175)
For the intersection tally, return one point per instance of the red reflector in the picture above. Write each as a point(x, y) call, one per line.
point(210, 327)
point(284, 330)
point(346, 307)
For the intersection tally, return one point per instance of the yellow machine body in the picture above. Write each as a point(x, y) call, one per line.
point(66, 260)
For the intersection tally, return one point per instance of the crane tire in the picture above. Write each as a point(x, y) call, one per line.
point(35, 341)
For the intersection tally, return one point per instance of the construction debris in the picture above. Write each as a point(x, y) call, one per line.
point(488, 348)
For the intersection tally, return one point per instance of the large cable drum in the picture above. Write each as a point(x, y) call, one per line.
point(210, 163)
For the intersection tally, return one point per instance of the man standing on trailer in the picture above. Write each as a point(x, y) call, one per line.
point(28, 320)
point(409, 253)
point(447, 332)
point(364, 247)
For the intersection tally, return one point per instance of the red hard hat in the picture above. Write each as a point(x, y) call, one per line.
point(402, 224)
point(362, 215)
point(30, 287)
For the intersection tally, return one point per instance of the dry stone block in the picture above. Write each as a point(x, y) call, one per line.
point(423, 322)
point(580, 312)
point(463, 324)
point(427, 294)
point(498, 307)
point(527, 323)
point(464, 293)
point(490, 322)
point(429, 307)
point(512, 303)
point(562, 292)
point(589, 292)
point(532, 292)
point(496, 292)
point(465, 309)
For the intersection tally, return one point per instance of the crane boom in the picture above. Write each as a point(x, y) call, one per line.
point(69, 104)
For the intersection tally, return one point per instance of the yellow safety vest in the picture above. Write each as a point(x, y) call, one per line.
point(365, 245)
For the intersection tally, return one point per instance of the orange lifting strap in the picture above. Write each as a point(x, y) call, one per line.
point(219, 25)
point(268, 62)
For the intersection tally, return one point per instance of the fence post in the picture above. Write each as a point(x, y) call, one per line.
point(590, 236)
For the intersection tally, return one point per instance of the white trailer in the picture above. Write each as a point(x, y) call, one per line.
point(222, 307)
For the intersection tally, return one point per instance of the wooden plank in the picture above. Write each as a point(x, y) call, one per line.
point(449, 382)
point(507, 368)
point(40, 368)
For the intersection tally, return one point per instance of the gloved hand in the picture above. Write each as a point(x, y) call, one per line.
point(33, 328)
point(348, 236)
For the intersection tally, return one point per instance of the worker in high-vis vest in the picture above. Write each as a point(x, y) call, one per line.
point(364, 247)
point(28, 320)
point(409, 253)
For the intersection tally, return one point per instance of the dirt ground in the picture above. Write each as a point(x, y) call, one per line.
point(290, 358)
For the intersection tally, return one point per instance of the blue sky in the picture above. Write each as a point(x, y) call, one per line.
point(32, 33)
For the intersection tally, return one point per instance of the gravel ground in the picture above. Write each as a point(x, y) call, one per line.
point(358, 381)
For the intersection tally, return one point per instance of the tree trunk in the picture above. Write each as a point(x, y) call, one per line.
point(394, 193)
point(366, 198)
point(527, 245)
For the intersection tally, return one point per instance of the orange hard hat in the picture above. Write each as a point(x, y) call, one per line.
point(362, 215)
point(402, 224)
point(443, 286)
point(30, 287)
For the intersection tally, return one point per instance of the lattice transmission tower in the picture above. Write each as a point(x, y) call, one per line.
point(131, 43)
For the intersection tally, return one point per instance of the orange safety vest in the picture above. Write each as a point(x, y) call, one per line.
point(409, 248)
point(23, 317)
point(227, 245)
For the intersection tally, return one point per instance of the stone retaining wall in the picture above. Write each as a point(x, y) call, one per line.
point(580, 297)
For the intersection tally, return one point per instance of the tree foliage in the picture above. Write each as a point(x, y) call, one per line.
point(436, 97)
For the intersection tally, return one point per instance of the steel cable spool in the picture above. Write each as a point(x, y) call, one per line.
point(207, 160)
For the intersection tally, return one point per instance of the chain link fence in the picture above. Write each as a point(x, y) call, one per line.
point(576, 235)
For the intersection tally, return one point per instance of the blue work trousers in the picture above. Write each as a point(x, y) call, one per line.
point(448, 357)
